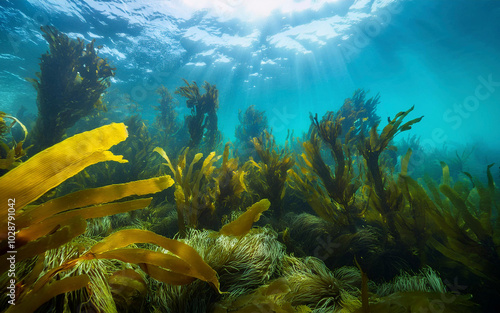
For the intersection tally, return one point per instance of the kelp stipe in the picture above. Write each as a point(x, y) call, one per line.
point(387, 200)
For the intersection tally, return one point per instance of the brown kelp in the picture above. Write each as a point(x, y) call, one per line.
point(10, 153)
point(253, 123)
point(385, 198)
point(333, 199)
point(70, 83)
point(462, 226)
point(358, 228)
point(268, 177)
point(167, 118)
point(202, 123)
point(359, 113)
point(231, 183)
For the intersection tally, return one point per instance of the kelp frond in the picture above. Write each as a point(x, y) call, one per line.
point(69, 86)
point(54, 223)
point(195, 190)
point(202, 123)
point(272, 171)
point(244, 222)
point(16, 152)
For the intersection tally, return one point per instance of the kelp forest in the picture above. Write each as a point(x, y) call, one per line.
point(114, 213)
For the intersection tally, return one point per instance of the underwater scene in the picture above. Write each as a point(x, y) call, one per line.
point(232, 156)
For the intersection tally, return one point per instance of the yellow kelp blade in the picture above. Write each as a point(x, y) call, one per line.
point(33, 300)
point(41, 229)
point(198, 268)
point(93, 196)
point(165, 276)
point(70, 229)
point(244, 222)
point(52, 166)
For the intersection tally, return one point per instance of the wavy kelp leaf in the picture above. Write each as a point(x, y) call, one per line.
point(42, 228)
point(433, 188)
point(404, 163)
point(137, 256)
point(491, 182)
point(477, 268)
point(93, 196)
point(31, 301)
point(472, 222)
point(74, 227)
point(244, 222)
point(54, 165)
point(266, 298)
point(198, 267)
point(165, 276)
point(446, 173)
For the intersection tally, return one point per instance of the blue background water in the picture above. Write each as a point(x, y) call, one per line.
point(304, 56)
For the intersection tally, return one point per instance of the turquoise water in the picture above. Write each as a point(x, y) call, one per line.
point(289, 62)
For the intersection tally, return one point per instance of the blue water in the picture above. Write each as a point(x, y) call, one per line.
point(301, 57)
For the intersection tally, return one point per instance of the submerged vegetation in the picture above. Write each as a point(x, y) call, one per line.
point(70, 83)
point(202, 123)
point(330, 223)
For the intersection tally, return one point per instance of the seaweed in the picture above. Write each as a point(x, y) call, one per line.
point(206, 195)
point(253, 123)
point(231, 184)
point(195, 191)
point(269, 180)
point(472, 237)
point(332, 197)
point(342, 184)
point(244, 222)
point(167, 119)
point(386, 198)
point(358, 113)
point(54, 223)
point(10, 156)
point(70, 83)
point(202, 123)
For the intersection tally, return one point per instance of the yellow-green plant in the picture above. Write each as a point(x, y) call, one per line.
point(10, 156)
point(272, 171)
point(38, 228)
point(195, 190)
point(333, 198)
